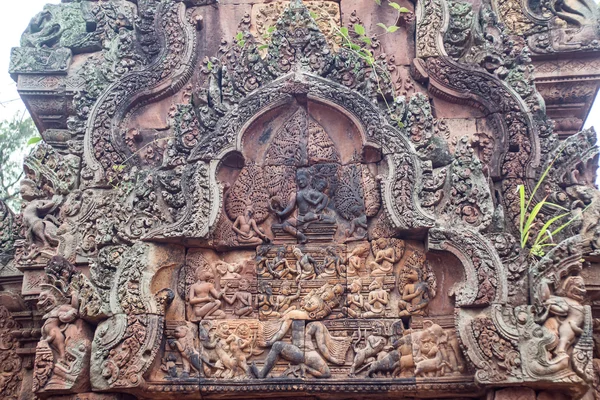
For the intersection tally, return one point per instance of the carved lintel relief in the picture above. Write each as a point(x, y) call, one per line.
point(303, 206)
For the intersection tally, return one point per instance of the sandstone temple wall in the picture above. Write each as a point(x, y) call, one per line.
point(305, 199)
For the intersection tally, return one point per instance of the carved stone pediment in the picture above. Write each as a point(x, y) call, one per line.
point(327, 200)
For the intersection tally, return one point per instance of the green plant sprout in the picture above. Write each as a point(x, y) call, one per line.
point(527, 223)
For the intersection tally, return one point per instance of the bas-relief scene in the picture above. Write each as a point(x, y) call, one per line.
point(304, 199)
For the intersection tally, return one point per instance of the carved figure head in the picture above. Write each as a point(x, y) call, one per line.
point(376, 284)
point(331, 250)
point(223, 330)
point(243, 330)
point(356, 285)
point(297, 252)
point(281, 252)
point(205, 275)
point(244, 284)
point(50, 298)
point(381, 243)
point(574, 288)
point(378, 328)
point(320, 185)
point(181, 331)
point(286, 288)
point(302, 179)
point(265, 287)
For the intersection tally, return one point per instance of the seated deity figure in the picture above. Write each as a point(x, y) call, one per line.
point(243, 296)
point(356, 259)
point(266, 301)
point(415, 294)
point(320, 200)
point(358, 225)
point(377, 300)
point(263, 265)
point(565, 315)
point(306, 200)
point(306, 265)
point(355, 302)
point(280, 266)
point(204, 297)
point(332, 265)
point(248, 233)
point(385, 257)
point(283, 301)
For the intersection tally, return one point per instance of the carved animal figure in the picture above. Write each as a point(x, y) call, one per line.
point(374, 343)
point(38, 227)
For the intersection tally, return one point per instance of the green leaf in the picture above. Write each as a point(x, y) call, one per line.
point(344, 31)
point(532, 216)
point(403, 10)
point(521, 191)
point(34, 140)
point(400, 124)
point(359, 29)
point(209, 66)
point(239, 36)
point(392, 29)
point(118, 168)
point(544, 234)
point(367, 40)
point(241, 43)
point(354, 46)
point(263, 46)
point(395, 6)
point(271, 29)
point(378, 2)
point(313, 15)
point(382, 25)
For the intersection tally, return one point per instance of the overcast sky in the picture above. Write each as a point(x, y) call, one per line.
point(14, 17)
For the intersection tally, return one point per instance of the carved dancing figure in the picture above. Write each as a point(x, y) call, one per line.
point(242, 295)
point(204, 297)
point(377, 300)
point(248, 232)
point(239, 341)
point(565, 315)
point(58, 313)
